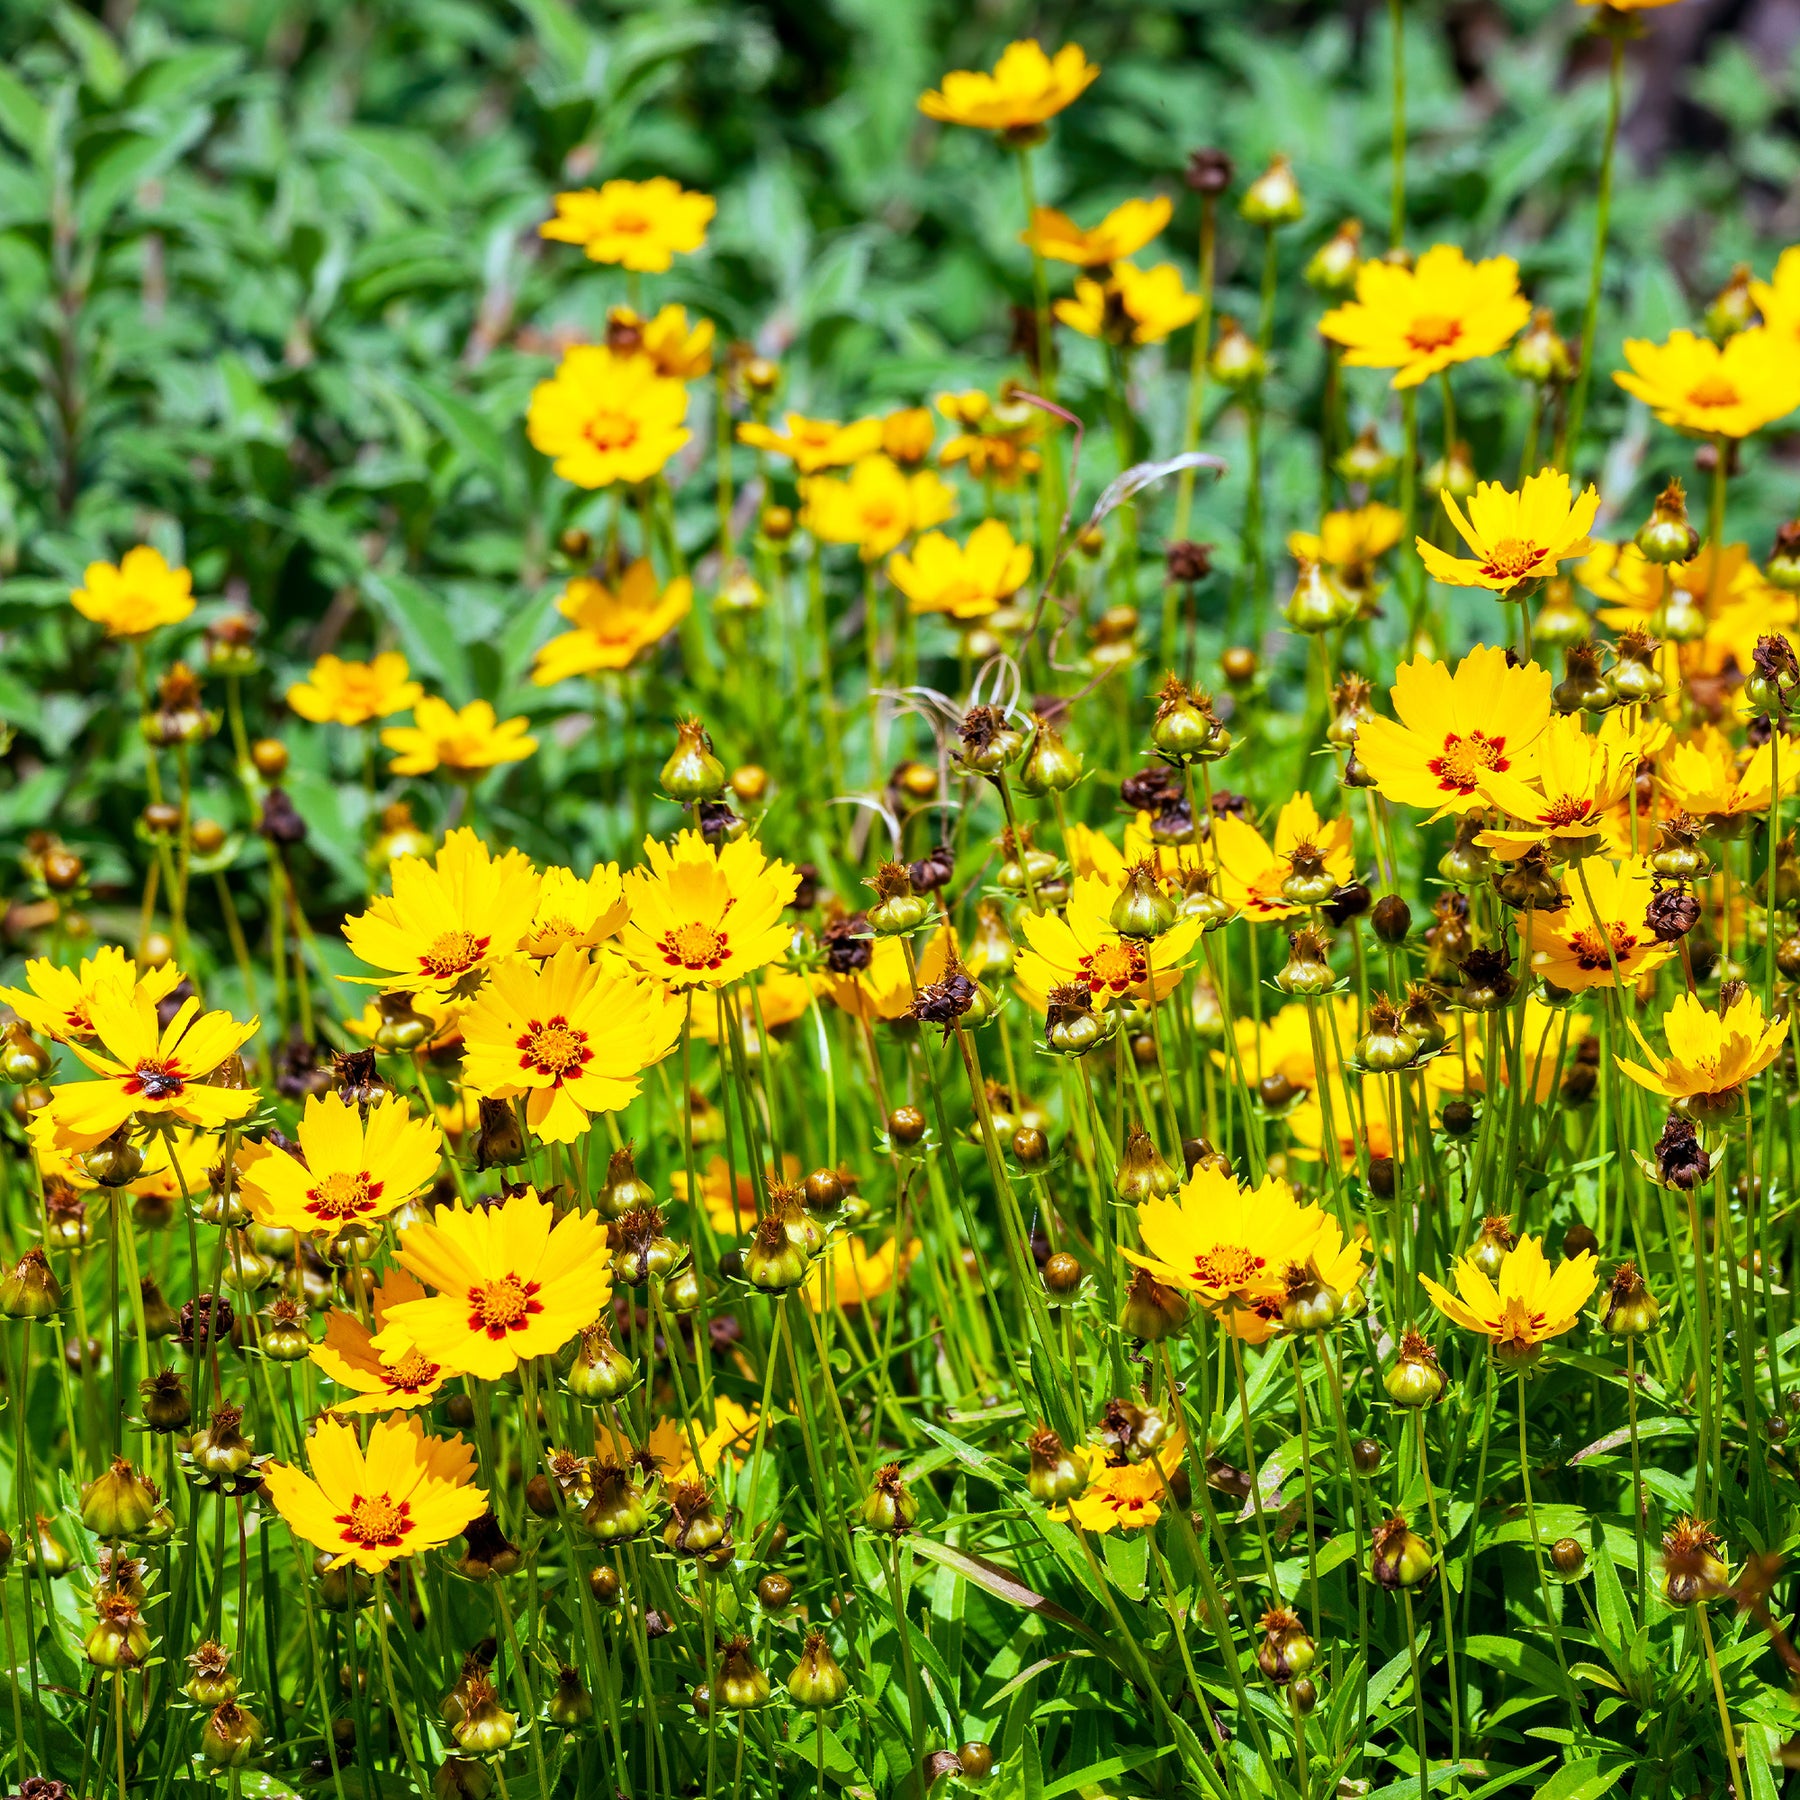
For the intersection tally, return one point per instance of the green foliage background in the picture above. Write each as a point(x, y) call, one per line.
point(271, 295)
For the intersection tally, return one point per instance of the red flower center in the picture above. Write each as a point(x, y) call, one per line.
point(1466, 759)
point(497, 1307)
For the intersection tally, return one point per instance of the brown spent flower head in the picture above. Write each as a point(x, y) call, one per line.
point(945, 1002)
point(1187, 561)
point(1681, 1161)
point(1692, 1567)
point(1209, 171)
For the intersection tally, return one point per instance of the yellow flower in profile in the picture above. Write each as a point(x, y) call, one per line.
point(1516, 537)
point(640, 225)
point(571, 1035)
point(448, 921)
point(1122, 233)
point(677, 350)
point(1121, 1497)
point(58, 1003)
point(1581, 779)
point(135, 596)
point(1571, 946)
point(404, 1378)
point(857, 1273)
point(350, 1171)
point(613, 625)
point(1732, 390)
point(878, 506)
point(814, 444)
point(461, 743)
point(1350, 541)
point(512, 1283)
point(404, 1493)
point(336, 692)
point(702, 917)
point(1529, 1305)
point(1450, 729)
point(1026, 88)
point(1711, 1056)
point(1083, 948)
point(966, 581)
point(1700, 775)
point(1251, 869)
point(604, 417)
point(1416, 321)
point(155, 1074)
point(572, 909)
point(1778, 300)
point(1139, 306)
point(906, 435)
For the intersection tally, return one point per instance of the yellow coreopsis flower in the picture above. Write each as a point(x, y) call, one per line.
point(135, 596)
point(906, 435)
point(604, 417)
point(403, 1378)
point(1449, 729)
point(569, 1034)
point(573, 909)
point(1778, 300)
point(1229, 1245)
point(404, 1493)
point(1516, 537)
point(1572, 946)
point(58, 1003)
point(1529, 1305)
point(1251, 869)
point(1730, 390)
point(702, 917)
point(512, 1283)
point(814, 444)
point(1122, 233)
point(1083, 948)
point(448, 921)
point(1711, 1056)
point(1581, 779)
point(1700, 775)
point(678, 350)
point(1350, 541)
point(1121, 1497)
point(336, 692)
point(1026, 88)
point(1139, 306)
point(613, 625)
point(640, 225)
point(1417, 321)
point(351, 1170)
point(462, 743)
point(876, 507)
point(151, 1073)
point(966, 581)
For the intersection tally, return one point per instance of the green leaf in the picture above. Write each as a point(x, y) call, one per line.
point(22, 116)
point(1587, 1779)
point(1517, 1658)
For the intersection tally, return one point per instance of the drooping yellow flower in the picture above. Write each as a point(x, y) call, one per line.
point(150, 1073)
point(814, 444)
point(405, 1493)
point(575, 910)
point(679, 350)
point(1122, 233)
point(876, 507)
point(512, 1283)
point(1730, 391)
point(403, 1378)
point(1778, 300)
point(1139, 306)
point(966, 581)
point(1515, 537)
point(604, 417)
point(1251, 870)
point(58, 1003)
point(1083, 948)
point(1026, 88)
point(613, 625)
point(702, 917)
point(570, 1034)
point(1417, 321)
point(1581, 779)
point(1711, 1056)
point(135, 596)
point(350, 1171)
point(448, 921)
point(1571, 946)
point(1350, 541)
point(1451, 729)
point(336, 692)
point(640, 225)
point(463, 744)
point(1700, 775)
point(1529, 1305)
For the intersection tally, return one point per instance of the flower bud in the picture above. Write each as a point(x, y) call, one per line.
point(1386, 1047)
point(1153, 1310)
point(1057, 1473)
point(1693, 1570)
point(1666, 536)
point(1286, 1651)
point(890, 1505)
point(816, 1682)
point(1273, 198)
point(1367, 460)
point(211, 1682)
point(600, 1371)
point(571, 1705)
point(1782, 570)
point(1414, 1379)
point(403, 1028)
point(118, 1502)
point(1493, 1245)
point(741, 1684)
point(692, 1528)
point(115, 1162)
point(1333, 266)
point(1143, 1174)
point(1568, 1556)
point(1184, 727)
point(119, 1638)
point(1679, 855)
point(486, 1727)
point(1540, 354)
point(1399, 1557)
point(1306, 971)
point(30, 1291)
point(1317, 602)
point(1560, 621)
point(166, 1403)
point(219, 1449)
point(1237, 360)
point(1071, 1026)
point(1634, 678)
point(1629, 1309)
point(1732, 309)
point(692, 771)
point(1050, 766)
point(23, 1059)
point(773, 1262)
point(1453, 474)
point(1143, 909)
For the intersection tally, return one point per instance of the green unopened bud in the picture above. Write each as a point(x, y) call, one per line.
point(1333, 266)
point(1783, 567)
point(816, 1681)
point(1143, 1174)
point(31, 1291)
point(619, 1509)
point(693, 1528)
point(1050, 766)
point(115, 1162)
point(1541, 354)
point(571, 1705)
point(118, 1502)
point(23, 1059)
point(1634, 678)
point(1286, 1651)
point(1306, 971)
point(403, 1028)
point(1666, 536)
point(210, 1681)
point(1399, 1557)
point(1184, 724)
point(1415, 1378)
point(1630, 1309)
point(1273, 198)
point(1310, 1304)
point(1057, 1473)
point(741, 1684)
point(119, 1639)
point(1143, 909)
point(692, 773)
point(486, 1727)
point(1317, 603)
point(1237, 361)
point(1386, 1046)
point(773, 1262)
point(1153, 1310)
point(890, 1505)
